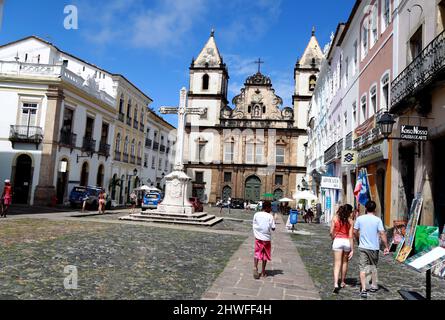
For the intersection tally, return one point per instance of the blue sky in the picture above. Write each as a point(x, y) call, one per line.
point(152, 42)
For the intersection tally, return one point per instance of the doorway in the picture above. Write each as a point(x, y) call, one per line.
point(253, 189)
point(227, 193)
point(380, 182)
point(84, 175)
point(407, 163)
point(22, 179)
point(62, 181)
point(439, 186)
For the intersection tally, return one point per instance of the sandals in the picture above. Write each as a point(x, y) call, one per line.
point(256, 274)
point(336, 290)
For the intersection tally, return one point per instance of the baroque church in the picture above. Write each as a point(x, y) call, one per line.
point(255, 146)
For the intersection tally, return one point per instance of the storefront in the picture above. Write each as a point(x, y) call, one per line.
point(330, 193)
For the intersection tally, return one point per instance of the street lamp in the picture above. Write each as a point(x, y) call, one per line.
point(386, 124)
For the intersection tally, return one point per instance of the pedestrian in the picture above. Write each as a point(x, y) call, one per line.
point(310, 215)
point(102, 198)
point(133, 201)
point(263, 225)
point(245, 205)
point(6, 198)
point(275, 209)
point(85, 200)
point(342, 235)
point(229, 203)
point(368, 229)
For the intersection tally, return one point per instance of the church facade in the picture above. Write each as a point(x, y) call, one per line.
point(255, 147)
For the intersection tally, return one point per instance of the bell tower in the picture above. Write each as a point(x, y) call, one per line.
point(209, 79)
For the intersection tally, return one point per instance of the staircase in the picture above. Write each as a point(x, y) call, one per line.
point(196, 219)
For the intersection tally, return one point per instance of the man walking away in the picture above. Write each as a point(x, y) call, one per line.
point(275, 209)
point(263, 225)
point(367, 230)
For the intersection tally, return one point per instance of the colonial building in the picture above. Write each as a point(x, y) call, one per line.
point(254, 147)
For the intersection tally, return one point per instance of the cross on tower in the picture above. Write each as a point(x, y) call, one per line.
point(259, 62)
point(181, 111)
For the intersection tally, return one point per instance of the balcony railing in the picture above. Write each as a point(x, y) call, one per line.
point(424, 69)
point(339, 148)
point(26, 134)
point(67, 138)
point(148, 143)
point(121, 117)
point(156, 146)
point(104, 149)
point(125, 157)
point(348, 141)
point(117, 155)
point(135, 124)
point(88, 145)
point(330, 154)
point(129, 121)
point(162, 149)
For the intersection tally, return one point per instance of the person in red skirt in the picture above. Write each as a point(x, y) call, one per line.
point(263, 225)
point(6, 198)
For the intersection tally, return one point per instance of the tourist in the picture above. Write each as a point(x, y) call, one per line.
point(245, 205)
point(133, 201)
point(6, 198)
point(343, 244)
point(275, 208)
point(84, 201)
point(367, 230)
point(263, 225)
point(310, 215)
point(102, 198)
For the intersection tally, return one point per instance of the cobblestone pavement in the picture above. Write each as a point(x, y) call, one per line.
point(114, 261)
point(287, 277)
point(315, 250)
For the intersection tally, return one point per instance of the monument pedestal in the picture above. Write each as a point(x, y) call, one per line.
point(176, 208)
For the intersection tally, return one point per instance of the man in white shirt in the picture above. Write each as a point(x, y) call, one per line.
point(263, 225)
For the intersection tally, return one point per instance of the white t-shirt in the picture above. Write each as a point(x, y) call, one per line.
point(263, 225)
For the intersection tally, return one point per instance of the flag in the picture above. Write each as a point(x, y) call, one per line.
point(361, 190)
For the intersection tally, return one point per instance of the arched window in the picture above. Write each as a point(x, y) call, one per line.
point(126, 145)
point(312, 82)
point(205, 82)
point(132, 147)
point(249, 109)
point(84, 175)
point(121, 104)
point(118, 143)
point(136, 113)
point(264, 109)
point(129, 108)
point(100, 176)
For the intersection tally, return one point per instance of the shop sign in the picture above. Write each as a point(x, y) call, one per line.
point(414, 133)
point(349, 157)
point(330, 183)
point(374, 153)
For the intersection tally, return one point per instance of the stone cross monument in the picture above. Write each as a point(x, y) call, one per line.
point(177, 182)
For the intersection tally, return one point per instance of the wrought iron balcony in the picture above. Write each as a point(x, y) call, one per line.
point(117, 155)
point(330, 154)
point(121, 117)
point(89, 145)
point(348, 141)
point(148, 143)
point(104, 149)
point(162, 149)
point(156, 146)
point(422, 72)
point(26, 134)
point(67, 138)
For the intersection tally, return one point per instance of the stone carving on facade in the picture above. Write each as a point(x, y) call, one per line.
point(209, 58)
point(287, 113)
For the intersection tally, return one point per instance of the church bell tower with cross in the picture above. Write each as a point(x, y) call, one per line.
point(208, 84)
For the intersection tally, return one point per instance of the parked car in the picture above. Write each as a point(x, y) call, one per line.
point(79, 193)
point(197, 205)
point(151, 200)
point(252, 206)
point(237, 204)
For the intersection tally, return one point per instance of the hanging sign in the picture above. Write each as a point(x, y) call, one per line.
point(349, 157)
point(414, 133)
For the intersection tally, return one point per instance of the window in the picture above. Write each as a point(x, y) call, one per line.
point(118, 143)
point(386, 14)
point(205, 82)
point(345, 121)
point(385, 92)
point(365, 35)
point(312, 82)
point(279, 180)
point(135, 116)
point(145, 160)
point(140, 149)
point(249, 152)
point(121, 104)
point(199, 177)
point(28, 116)
point(166, 165)
point(280, 155)
point(227, 177)
point(153, 162)
point(374, 18)
point(354, 69)
point(160, 165)
point(68, 117)
point(416, 44)
point(132, 147)
point(129, 109)
point(346, 72)
point(201, 152)
point(373, 101)
point(354, 115)
point(363, 106)
point(126, 145)
point(259, 154)
point(228, 151)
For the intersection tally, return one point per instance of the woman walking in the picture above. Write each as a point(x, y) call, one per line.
point(102, 201)
point(6, 198)
point(343, 244)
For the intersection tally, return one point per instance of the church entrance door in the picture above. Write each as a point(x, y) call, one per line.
point(253, 189)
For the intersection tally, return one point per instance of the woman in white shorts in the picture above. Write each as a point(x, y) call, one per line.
point(343, 244)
